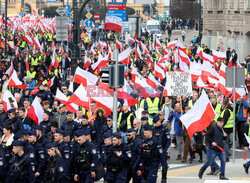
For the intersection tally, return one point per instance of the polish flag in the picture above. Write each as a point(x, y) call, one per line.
point(145, 89)
point(27, 62)
point(72, 107)
point(51, 82)
point(134, 74)
point(10, 69)
point(124, 93)
point(35, 111)
point(171, 44)
point(138, 52)
point(195, 70)
point(176, 57)
point(17, 52)
point(80, 97)
point(151, 62)
point(124, 57)
point(219, 55)
point(36, 43)
point(208, 71)
point(15, 82)
point(131, 40)
point(87, 62)
point(183, 66)
point(102, 98)
point(34, 11)
point(208, 58)
point(164, 65)
point(157, 42)
point(84, 77)
point(239, 92)
point(222, 71)
point(61, 97)
point(105, 86)
point(199, 51)
point(159, 72)
point(200, 83)
point(222, 87)
point(28, 39)
point(200, 116)
point(92, 50)
point(118, 44)
point(8, 100)
point(113, 23)
point(184, 57)
point(152, 81)
point(102, 62)
point(54, 62)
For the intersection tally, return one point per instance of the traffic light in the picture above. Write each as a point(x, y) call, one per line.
point(108, 74)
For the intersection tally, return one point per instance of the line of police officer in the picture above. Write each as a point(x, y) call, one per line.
point(75, 158)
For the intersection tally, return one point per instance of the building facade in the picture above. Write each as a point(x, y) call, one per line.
point(226, 23)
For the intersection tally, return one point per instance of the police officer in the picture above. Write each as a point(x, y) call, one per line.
point(40, 155)
point(152, 154)
point(41, 139)
point(45, 124)
point(2, 165)
point(135, 146)
point(117, 161)
point(70, 125)
point(163, 135)
point(22, 168)
point(53, 164)
point(86, 159)
point(106, 147)
point(64, 149)
point(85, 123)
point(13, 121)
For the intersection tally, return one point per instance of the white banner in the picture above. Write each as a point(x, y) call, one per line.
point(178, 84)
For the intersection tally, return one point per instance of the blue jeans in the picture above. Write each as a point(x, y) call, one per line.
point(247, 163)
point(213, 155)
point(214, 166)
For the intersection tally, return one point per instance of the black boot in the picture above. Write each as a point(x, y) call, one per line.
point(200, 174)
point(164, 175)
point(246, 168)
point(222, 177)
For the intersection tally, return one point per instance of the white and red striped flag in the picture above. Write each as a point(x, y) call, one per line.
point(35, 111)
point(7, 96)
point(124, 57)
point(84, 77)
point(113, 23)
point(15, 82)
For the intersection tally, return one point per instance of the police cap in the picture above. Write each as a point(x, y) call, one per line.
point(18, 143)
point(130, 130)
point(79, 133)
point(11, 110)
point(144, 118)
point(107, 134)
point(59, 131)
point(84, 116)
point(148, 127)
point(156, 118)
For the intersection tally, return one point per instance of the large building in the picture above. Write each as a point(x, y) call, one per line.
point(226, 23)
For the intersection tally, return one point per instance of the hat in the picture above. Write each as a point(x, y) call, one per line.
point(33, 132)
point(144, 112)
point(116, 134)
point(148, 127)
point(130, 130)
point(144, 118)
point(47, 112)
point(51, 145)
point(68, 112)
point(11, 110)
point(85, 116)
point(18, 135)
point(156, 118)
point(45, 85)
point(79, 133)
point(18, 143)
point(38, 128)
point(54, 124)
point(107, 134)
point(61, 105)
point(87, 132)
point(59, 131)
point(66, 133)
point(110, 117)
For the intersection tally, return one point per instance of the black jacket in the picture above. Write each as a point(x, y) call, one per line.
point(215, 134)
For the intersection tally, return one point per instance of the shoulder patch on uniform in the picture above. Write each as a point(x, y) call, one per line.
point(32, 155)
point(61, 169)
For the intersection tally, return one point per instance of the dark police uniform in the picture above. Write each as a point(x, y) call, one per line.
point(117, 166)
point(22, 168)
point(151, 155)
point(162, 134)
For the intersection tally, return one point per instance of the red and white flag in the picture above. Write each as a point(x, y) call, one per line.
point(10, 69)
point(171, 44)
point(8, 100)
point(35, 111)
point(200, 83)
point(195, 70)
point(219, 55)
point(199, 51)
point(124, 57)
point(113, 23)
point(36, 43)
point(11, 45)
point(145, 89)
point(222, 87)
point(102, 62)
point(80, 97)
point(84, 77)
point(184, 57)
point(87, 62)
point(222, 71)
point(28, 39)
point(157, 42)
point(54, 62)
point(131, 40)
point(61, 97)
point(118, 44)
point(15, 82)
point(27, 62)
point(159, 72)
point(152, 81)
point(208, 58)
point(208, 71)
point(200, 116)
point(124, 93)
point(51, 82)
point(138, 52)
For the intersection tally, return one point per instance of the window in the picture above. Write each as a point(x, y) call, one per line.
point(221, 4)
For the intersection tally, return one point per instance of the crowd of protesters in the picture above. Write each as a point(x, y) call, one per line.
point(80, 147)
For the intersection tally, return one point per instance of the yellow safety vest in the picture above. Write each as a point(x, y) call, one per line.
point(86, 39)
point(128, 120)
point(190, 104)
point(31, 74)
point(153, 107)
point(23, 44)
point(230, 119)
point(217, 111)
point(34, 61)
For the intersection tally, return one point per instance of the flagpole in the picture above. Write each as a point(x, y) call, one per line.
point(234, 83)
